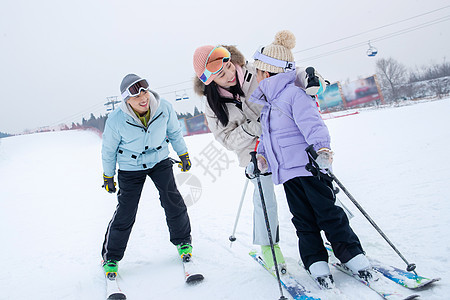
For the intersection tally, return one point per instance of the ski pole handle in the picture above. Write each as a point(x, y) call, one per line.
point(310, 72)
point(313, 80)
point(312, 166)
point(310, 150)
point(256, 171)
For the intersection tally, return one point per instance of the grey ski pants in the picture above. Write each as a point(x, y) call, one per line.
point(260, 236)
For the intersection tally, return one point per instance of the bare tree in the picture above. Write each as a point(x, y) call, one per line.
point(392, 76)
point(440, 86)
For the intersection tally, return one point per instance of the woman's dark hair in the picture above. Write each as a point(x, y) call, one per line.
point(217, 103)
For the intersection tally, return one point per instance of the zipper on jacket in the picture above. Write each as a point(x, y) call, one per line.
point(139, 126)
point(154, 119)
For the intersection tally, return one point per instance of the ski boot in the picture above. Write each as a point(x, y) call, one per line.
point(185, 251)
point(320, 272)
point(110, 267)
point(360, 266)
point(268, 258)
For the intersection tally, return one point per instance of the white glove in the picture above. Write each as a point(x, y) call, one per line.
point(262, 163)
point(262, 166)
point(324, 158)
point(250, 170)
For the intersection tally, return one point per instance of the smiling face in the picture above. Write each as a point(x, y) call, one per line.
point(140, 103)
point(227, 77)
point(261, 75)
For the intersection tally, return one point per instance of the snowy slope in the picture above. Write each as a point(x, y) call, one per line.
point(53, 212)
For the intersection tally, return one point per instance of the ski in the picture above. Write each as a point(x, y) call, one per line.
point(379, 284)
point(113, 291)
point(404, 278)
point(407, 279)
point(288, 281)
point(191, 274)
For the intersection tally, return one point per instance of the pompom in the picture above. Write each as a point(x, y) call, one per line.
point(285, 38)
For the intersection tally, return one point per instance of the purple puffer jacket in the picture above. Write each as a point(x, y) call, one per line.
point(290, 122)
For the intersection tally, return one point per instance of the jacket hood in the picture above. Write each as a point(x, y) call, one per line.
point(154, 103)
point(269, 88)
point(237, 58)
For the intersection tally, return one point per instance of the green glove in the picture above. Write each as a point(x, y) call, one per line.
point(185, 164)
point(109, 184)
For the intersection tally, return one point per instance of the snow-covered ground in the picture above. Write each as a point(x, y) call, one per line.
point(54, 213)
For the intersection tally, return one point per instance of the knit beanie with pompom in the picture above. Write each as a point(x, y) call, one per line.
point(280, 49)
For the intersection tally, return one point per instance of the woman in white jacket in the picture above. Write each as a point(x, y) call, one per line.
point(234, 121)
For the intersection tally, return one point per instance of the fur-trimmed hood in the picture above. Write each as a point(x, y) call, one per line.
point(236, 57)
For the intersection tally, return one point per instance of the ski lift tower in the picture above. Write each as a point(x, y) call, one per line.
point(112, 100)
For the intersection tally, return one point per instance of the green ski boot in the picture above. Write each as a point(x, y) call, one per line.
point(268, 258)
point(110, 267)
point(185, 251)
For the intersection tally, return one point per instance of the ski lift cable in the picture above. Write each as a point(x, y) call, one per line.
point(406, 30)
point(162, 87)
point(443, 19)
point(171, 92)
point(370, 30)
point(97, 107)
point(390, 35)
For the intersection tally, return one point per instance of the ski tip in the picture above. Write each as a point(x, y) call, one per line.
point(427, 284)
point(117, 296)
point(194, 278)
point(410, 297)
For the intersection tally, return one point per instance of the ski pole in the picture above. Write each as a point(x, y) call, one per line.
point(174, 161)
point(257, 173)
point(313, 167)
point(232, 238)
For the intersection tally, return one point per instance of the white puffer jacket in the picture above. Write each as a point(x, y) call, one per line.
point(243, 129)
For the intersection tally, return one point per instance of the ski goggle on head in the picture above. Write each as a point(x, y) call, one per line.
point(214, 62)
point(135, 88)
point(286, 65)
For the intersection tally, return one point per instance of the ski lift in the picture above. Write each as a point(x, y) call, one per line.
point(372, 51)
point(178, 97)
point(185, 96)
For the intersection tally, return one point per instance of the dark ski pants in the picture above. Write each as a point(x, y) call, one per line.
point(312, 203)
point(130, 188)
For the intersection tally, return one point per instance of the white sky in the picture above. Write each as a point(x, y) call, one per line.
point(59, 60)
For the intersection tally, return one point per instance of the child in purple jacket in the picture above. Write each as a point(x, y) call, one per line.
point(290, 122)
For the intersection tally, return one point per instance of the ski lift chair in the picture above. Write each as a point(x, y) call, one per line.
point(178, 97)
point(372, 51)
point(185, 96)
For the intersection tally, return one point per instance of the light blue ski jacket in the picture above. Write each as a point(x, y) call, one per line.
point(133, 146)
